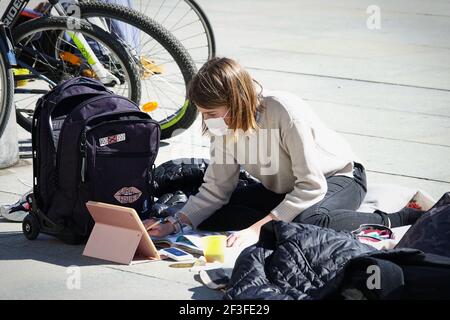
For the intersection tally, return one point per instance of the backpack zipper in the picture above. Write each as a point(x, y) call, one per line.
point(77, 81)
point(83, 155)
point(124, 113)
point(119, 120)
point(120, 154)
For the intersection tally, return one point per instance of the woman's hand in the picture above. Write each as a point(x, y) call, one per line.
point(160, 230)
point(248, 235)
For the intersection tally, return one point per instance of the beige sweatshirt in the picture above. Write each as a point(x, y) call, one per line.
point(292, 152)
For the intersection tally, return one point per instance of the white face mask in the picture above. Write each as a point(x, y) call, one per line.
point(217, 126)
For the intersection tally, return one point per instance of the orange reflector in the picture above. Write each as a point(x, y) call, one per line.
point(71, 58)
point(150, 106)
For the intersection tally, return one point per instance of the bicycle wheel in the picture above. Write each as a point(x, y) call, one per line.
point(165, 66)
point(6, 90)
point(187, 21)
point(47, 56)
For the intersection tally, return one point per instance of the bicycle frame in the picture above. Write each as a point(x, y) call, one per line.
point(12, 13)
point(6, 45)
point(8, 61)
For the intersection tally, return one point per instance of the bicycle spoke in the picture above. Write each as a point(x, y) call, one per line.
point(195, 48)
point(174, 90)
point(159, 98)
point(164, 20)
point(181, 19)
point(148, 4)
point(184, 26)
point(159, 9)
point(193, 36)
point(164, 93)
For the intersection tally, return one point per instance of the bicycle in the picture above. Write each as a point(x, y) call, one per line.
point(38, 70)
point(163, 83)
point(7, 61)
point(174, 70)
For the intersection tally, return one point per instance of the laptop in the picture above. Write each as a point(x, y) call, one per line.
point(118, 235)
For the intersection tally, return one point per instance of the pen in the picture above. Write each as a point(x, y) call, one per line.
point(155, 224)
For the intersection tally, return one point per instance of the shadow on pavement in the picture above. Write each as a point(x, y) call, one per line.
point(205, 293)
point(14, 246)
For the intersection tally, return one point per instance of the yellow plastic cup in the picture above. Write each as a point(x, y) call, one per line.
point(214, 248)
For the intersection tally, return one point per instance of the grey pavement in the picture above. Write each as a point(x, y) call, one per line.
point(387, 91)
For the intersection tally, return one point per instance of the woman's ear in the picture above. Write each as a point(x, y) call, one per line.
point(227, 119)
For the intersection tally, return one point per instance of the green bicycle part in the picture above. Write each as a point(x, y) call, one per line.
point(177, 117)
point(82, 48)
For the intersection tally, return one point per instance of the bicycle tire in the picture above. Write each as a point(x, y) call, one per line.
point(145, 8)
point(7, 79)
point(60, 23)
point(206, 25)
point(188, 113)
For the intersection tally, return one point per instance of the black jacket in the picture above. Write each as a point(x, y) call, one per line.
point(175, 180)
point(294, 261)
point(186, 175)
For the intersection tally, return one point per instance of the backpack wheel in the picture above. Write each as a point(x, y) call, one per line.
point(31, 227)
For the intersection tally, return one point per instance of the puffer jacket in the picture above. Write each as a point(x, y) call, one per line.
point(175, 180)
point(186, 175)
point(293, 261)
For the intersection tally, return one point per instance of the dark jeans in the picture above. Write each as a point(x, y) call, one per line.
point(337, 210)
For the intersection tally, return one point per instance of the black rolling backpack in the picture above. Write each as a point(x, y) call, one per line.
point(88, 144)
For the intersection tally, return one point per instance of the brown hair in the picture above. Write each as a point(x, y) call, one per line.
point(224, 82)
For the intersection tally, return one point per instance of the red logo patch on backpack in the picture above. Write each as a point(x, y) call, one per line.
point(112, 139)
